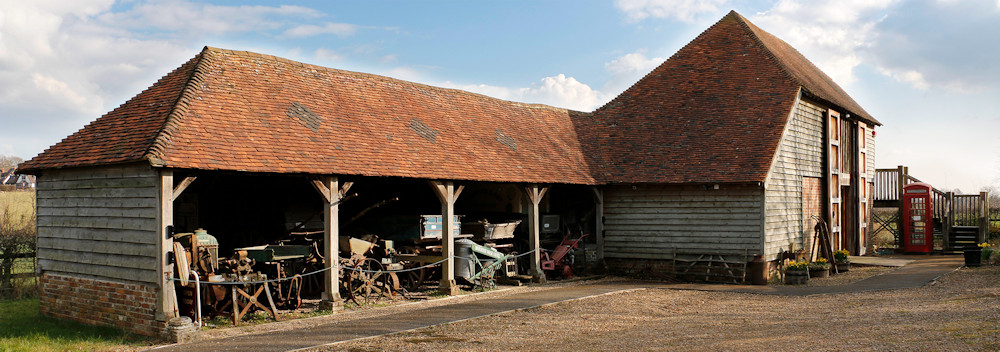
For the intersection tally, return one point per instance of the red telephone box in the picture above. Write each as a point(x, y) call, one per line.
point(918, 218)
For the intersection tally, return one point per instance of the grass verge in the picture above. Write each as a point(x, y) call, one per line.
point(23, 328)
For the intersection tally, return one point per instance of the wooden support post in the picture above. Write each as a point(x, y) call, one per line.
point(166, 300)
point(599, 219)
point(949, 220)
point(328, 187)
point(447, 193)
point(984, 216)
point(901, 182)
point(535, 195)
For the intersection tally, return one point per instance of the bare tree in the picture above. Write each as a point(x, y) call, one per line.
point(993, 196)
point(8, 162)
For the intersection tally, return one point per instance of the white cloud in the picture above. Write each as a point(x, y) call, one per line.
point(337, 29)
point(830, 34)
point(389, 58)
point(559, 91)
point(968, 165)
point(951, 44)
point(683, 10)
point(57, 88)
point(913, 78)
point(628, 69)
point(188, 17)
point(563, 91)
point(636, 62)
point(64, 63)
point(924, 44)
point(326, 54)
point(404, 73)
point(33, 49)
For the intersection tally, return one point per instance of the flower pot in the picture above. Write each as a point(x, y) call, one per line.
point(818, 273)
point(974, 257)
point(843, 267)
point(796, 277)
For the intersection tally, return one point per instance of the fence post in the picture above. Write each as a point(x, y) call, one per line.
point(984, 216)
point(950, 220)
point(947, 218)
point(900, 182)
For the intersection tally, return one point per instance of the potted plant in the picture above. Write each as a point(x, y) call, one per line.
point(974, 256)
point(797, 273)
point(819, 268)
point(842, 261)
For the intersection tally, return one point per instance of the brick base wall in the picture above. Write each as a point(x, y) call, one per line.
point(654, 269)
point(128, 306)
point(642, 268)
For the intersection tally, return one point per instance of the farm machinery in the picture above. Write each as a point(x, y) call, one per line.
point(280, 275)
point(558, 263)
point(269, 277)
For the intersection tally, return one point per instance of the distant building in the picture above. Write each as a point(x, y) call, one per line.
point(12, 179)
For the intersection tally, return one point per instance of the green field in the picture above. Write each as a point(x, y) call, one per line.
point(18, 205)
point(23, 328)
point(17, 237)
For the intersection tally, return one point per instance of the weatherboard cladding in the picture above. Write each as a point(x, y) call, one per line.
point(100, 222)
point(714, 112)
point(652, 221)
point(799, 156)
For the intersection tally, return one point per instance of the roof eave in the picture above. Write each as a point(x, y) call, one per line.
point(860, 116)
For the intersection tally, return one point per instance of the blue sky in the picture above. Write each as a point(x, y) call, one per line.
point(929, 70)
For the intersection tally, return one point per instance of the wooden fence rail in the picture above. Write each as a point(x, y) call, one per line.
point(886, 184)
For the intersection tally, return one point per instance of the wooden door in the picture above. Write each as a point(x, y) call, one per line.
point(864, 188)
point(833, 168)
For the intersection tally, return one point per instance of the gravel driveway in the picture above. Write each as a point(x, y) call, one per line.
point(959, 312)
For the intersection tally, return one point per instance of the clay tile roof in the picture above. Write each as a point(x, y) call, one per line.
point(241, 111)
point(713, 112)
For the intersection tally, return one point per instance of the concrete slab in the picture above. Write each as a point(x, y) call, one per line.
point(325, 334)
point(919, 271)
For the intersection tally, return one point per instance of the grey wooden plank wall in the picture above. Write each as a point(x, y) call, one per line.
point(649, 221)
point(99, 222)
point(800, 153)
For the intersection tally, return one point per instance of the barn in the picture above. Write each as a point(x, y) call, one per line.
point(727, 149)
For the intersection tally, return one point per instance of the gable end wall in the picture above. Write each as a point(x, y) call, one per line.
point(99, 222)
point(800, 154)
point(98, 246)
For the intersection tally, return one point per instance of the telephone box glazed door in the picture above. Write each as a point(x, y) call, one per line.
point(918, 230)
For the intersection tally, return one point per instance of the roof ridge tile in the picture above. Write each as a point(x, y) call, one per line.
point(154, 154)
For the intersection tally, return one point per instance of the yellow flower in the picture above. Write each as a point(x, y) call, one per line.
point(797, 266)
